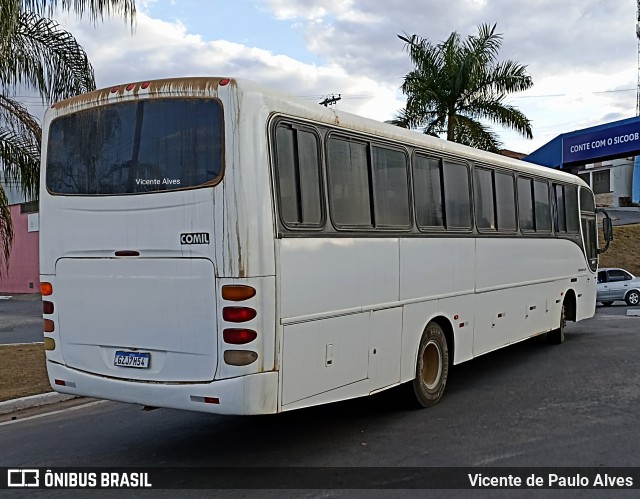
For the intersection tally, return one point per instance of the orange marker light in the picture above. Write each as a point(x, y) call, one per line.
point(49, 326)
point(46, 288)
point(237, 292)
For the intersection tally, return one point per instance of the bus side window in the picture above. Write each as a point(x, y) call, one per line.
point(390, 187)
point(349, 187)
point(571, 204)
point(427, 186)
point(457, 196)
point(542, 207)
point(505, 201)
point(560, 217)
point(484, 199)
point(298, 177)
point(525, 204)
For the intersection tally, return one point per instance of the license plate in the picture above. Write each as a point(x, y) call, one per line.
point(132, 359)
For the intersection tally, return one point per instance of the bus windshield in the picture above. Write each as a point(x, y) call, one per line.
point(136, 147)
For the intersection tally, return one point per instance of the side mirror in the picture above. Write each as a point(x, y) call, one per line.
point(607, 230)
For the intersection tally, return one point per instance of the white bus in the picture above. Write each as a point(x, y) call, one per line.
point(213, 246)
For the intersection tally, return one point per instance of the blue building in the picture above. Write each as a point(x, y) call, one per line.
point(604, 156)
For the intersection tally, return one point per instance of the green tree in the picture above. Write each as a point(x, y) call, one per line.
point(457, 84)
point(37, 55)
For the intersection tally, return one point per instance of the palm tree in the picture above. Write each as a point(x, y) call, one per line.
point(36, 54)
point(456, 84)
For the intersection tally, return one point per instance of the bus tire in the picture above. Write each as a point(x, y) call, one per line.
point(432, 366)
point(607, 303)
point(556, 336)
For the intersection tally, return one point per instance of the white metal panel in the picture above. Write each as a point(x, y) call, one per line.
point(163, 306)
point(245, 212)
point(385, 348)
point(436, 267)
point(320, 356)
point(508, 262)
point(325, 276)
point(81, 226)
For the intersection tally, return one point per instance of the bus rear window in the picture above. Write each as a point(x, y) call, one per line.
point(136, 147)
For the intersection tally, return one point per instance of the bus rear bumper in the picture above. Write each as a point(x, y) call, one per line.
point(244, 395)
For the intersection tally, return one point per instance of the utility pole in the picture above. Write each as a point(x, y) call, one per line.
point(330, 100)
point(638, 36)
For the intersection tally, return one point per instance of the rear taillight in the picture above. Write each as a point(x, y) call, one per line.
point(240, 357)
point(239, 336)
point(49, 326)
point(238, 315)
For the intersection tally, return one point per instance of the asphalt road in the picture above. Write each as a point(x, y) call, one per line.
point(21, 319)
point(624, 216)
point(528, 405)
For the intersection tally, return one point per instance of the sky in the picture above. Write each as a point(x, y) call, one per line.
point(581, 54)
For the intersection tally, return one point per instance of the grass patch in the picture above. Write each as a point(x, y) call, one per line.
point(624, 250)
point(23, 371)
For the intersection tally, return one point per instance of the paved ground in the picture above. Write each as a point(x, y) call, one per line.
point(624, 216)
point(21, 319)
point(525, 406)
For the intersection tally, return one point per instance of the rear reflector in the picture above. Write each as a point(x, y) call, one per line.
point(61, 382)
point(49, 344)
point(206, 400)
point(46, 288)
point(237, 292)
point(238, 314)
point(49, 326)
point(240, 357)
point(239, 336)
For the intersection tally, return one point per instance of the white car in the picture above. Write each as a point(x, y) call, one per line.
point(618, 284)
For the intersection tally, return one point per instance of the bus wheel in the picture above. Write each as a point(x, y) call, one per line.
point(556, 336)
point(432, 366)
point(607, 303)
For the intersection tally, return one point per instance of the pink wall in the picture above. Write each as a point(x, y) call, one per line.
point(24, 266)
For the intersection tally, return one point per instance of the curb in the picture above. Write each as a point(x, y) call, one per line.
point(9, 406)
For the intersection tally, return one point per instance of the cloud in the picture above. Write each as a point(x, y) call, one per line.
point(161, 49)
point(572, 49)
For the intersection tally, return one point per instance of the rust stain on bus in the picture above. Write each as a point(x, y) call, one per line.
point(198, 86)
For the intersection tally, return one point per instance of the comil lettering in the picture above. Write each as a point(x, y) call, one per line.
point(195, 238)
